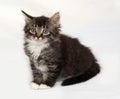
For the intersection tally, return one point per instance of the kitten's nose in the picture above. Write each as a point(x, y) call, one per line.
point(38, 34)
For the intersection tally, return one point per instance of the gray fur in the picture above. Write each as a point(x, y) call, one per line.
point(52, 54)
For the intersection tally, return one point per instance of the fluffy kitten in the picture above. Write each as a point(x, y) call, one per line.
point(54, 55)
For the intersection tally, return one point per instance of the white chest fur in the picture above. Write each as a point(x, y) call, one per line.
point(36, 46)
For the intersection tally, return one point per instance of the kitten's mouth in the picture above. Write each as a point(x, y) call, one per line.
point(40, 38)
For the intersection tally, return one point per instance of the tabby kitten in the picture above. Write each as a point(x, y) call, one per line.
point(54, 55)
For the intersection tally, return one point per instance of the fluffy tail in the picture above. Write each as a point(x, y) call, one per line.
point(91, 72)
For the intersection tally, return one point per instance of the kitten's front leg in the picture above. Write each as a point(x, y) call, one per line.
point(52, 76)
point(37, 77)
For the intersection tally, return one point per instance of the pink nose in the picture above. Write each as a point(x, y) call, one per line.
point(38, 34)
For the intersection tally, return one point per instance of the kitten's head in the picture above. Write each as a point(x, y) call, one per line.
point(41, 28)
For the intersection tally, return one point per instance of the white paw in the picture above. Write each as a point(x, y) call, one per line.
point(43, 86)
point(34, 86)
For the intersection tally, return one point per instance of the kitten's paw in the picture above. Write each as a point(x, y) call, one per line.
point(35, 86)
point(43, 86)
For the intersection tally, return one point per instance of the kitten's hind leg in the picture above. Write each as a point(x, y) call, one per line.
point(91, 72)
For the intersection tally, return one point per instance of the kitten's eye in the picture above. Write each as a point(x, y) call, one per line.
point(45, 32)
point(32, 31)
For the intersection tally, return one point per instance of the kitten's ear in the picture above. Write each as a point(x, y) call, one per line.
point(27, 17)
point(55, 20)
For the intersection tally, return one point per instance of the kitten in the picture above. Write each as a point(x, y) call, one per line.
point(52, 54)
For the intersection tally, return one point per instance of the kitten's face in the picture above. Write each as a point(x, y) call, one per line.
point(41, 28)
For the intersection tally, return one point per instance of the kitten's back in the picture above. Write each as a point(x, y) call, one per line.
point(80, 63)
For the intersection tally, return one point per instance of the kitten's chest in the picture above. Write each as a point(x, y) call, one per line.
point(35, 48)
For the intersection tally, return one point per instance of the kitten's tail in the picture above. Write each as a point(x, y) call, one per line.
point(91, 72)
